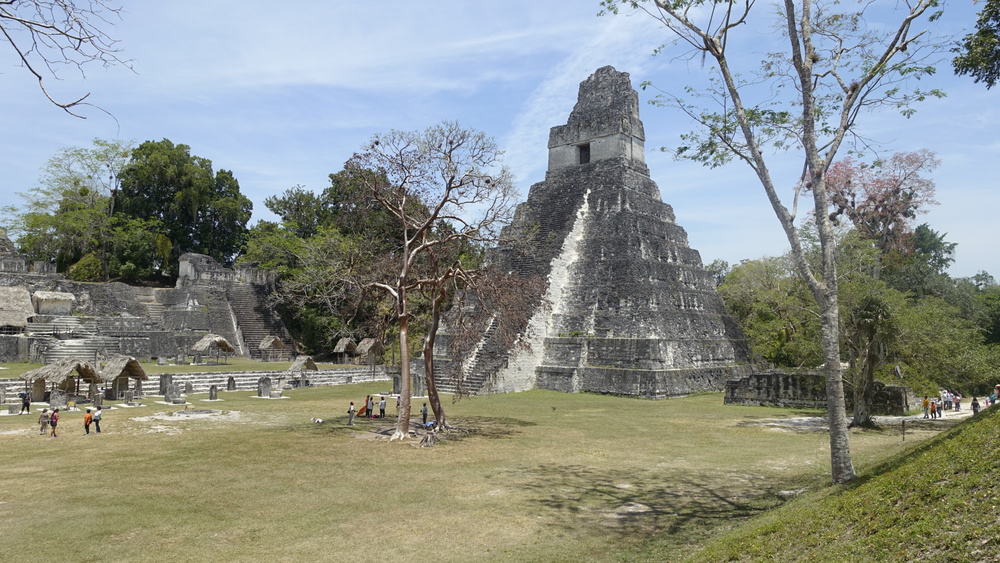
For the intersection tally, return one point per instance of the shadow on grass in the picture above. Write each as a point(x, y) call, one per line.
point(674, 509)
point(462, 428)
point(489, 427)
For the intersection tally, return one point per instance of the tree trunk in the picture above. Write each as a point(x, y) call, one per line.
point(842, 470)
point(863, 398)
point(403, 422)
point(432, 392)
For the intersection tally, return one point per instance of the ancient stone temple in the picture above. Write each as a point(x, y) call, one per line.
point(631, 310)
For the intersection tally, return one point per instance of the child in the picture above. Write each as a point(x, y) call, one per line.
point(43, 421)
point(87, 420)
point(975, 406)
point(53, 421)
point(934, 409)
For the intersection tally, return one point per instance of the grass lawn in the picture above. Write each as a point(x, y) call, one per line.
point(533, 476)
point(15, 369)
point(937, 502)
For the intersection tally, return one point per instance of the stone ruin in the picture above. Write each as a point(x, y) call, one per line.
point(166, 380)
point(807, 389)
point(231, 384)
point(632, 311)
point(67, 319)
point(264, 387)
point(213, 393)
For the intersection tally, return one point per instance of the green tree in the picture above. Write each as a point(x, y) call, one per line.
point(199, 210)
point(834, 69)
point(68, 214)
point(979, 53)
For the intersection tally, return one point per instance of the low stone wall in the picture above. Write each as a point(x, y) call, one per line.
point(776, 388)
point(13, 348)
point(245, 380)
point(646, 384)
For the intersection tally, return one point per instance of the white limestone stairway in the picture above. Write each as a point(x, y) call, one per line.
point(80, 348)
point(256, 320)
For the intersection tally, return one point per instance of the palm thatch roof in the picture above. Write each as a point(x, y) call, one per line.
point(369, 346)
point(213, 341)
point(272, 343)
point(119, 365)
point(303, 363)
point(62, 370)
point(345, 345)
point(15, 306)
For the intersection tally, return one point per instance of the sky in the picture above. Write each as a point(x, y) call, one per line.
point(283, 94)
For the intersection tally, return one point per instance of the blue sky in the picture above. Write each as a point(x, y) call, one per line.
point(283, 96)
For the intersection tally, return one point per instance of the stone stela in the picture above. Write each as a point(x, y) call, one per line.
point(264, 387)
point(632, 309)
point(213, 393)
point(165, 381)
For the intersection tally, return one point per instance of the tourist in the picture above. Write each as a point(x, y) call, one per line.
point(88, 419)
point(381, 407)
point(97, 419)
point(975, 406)
point(371, 407)
point(926, 405)
point(350, 414)
point(43, 421)
point(956, 401)
point(53, 421)
point(25, 403)
point(934, 409)
point(423, 413)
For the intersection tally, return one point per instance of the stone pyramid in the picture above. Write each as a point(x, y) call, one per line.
point(631, 310)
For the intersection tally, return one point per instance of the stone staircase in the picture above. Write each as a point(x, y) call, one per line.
point(80, 348)
point(479, 367)
point(154, 310)
point(255, 319)
point(65, 326)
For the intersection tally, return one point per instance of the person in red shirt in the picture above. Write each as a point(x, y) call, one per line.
point(53, 421)
point(87, 419)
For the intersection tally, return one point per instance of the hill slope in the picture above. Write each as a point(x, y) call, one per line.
point(940, 501)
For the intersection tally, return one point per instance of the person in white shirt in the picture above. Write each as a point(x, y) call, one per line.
point(381, 407)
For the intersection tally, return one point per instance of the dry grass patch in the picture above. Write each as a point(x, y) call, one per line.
point(527, 476)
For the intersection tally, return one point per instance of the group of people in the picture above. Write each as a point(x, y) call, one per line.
point(48, 422)
point(369, 406)
point(951, 401)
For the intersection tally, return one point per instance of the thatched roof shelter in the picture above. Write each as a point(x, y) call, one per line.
point(345, 345)
point(15, 306)
point(62, 370)
point(213, 341)
point(303, 363)
point(119, 365)
point(370, 346)
point(272, 343)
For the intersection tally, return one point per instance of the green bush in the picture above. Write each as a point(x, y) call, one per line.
point(88, 268)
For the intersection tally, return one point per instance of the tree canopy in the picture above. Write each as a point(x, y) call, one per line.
point(199, 210)
point(979, 52)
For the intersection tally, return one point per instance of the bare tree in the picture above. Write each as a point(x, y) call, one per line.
point(834, 68)
point(443, 185)
point(48, 34)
